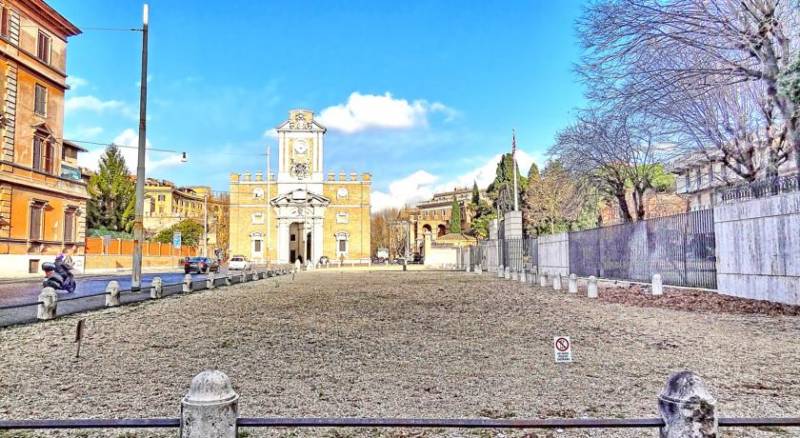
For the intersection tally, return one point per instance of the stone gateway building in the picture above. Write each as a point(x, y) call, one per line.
point(303, 214)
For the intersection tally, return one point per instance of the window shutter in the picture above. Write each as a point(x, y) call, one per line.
point(36, 222)
point(37, 153)
point(69, 220)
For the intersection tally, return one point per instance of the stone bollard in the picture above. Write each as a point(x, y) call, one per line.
point(210, 408)
point(49, 304)
point(591, 287)
point(514, 275)
point(156, 288)
point(543, 279)
point(112, 294)
point(507, 273)
point(210, 280)
point(557, 282)
point(573, 284)
point(687, 408)
point(228, 280)
point(187, 283)
point(523, 278)
point(500, 271)
point(242, 277)
point(657, 287)
point(478, 269)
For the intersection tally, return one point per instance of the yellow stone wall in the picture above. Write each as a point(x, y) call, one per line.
point(243, 205)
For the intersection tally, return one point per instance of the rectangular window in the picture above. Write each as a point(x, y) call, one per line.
point(35, 232)
point(37, 153)
point(69, 225)
point(161, 197)
point(342, 245)
point(256, 246)
point(687, 182)
point(40, 100)
point(43, 48)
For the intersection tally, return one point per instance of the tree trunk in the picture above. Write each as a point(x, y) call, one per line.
point(624, 209)
point(638, 199)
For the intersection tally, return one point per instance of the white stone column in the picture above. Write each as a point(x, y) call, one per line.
point(283, 241)
point(317, 239)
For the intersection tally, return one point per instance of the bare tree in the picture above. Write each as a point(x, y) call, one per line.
point(738, 125)
point(615, 153)
point(641, 51)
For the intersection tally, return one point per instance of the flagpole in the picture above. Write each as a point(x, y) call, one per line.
point(514, 166)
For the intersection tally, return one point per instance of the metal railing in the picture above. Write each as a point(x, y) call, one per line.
point(759, 189)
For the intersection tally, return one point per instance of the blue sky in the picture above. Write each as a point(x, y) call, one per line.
point(422, 94)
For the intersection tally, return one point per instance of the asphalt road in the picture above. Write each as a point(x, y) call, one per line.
point(27, 291)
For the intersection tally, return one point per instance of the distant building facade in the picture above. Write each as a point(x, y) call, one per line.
point(42, 196)
point(166, 204)
point(700, 178)
point(302, 214)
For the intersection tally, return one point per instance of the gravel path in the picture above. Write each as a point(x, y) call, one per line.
point(394, 344)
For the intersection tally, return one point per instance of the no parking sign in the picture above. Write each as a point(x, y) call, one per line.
point(562, 347)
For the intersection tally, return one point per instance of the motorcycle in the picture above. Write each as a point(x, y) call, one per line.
point(60, 277)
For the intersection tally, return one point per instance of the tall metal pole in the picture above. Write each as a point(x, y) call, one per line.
point(514, 166)
point(205, 225)
point(269, 213)
point(138, 223)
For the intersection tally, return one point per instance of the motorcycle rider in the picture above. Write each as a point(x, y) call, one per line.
point(63, 267)
point(52, 278)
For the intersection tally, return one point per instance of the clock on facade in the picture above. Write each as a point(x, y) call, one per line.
point(341, 193)
point(300, 147)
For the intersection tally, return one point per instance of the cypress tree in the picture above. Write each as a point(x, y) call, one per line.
point(455, 217)
point(476, 194)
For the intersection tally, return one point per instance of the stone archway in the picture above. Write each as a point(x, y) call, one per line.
point(427, 228)
point(441, 230)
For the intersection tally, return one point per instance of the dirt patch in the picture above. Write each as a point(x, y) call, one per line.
point(394, 344)
point(694, 301)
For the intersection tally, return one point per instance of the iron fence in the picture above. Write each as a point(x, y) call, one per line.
point(759, 189)
point(680, 248)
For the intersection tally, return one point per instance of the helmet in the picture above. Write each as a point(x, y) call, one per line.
point(60, 258)
point(47, 267)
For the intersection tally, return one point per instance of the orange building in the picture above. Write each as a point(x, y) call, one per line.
point(42, 196)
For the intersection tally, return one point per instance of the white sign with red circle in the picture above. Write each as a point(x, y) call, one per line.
point(562, 347)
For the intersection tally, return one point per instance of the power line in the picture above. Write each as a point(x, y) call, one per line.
point(121, 145)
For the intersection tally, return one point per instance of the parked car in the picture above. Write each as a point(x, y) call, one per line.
point(200, 265)
point(238, 263)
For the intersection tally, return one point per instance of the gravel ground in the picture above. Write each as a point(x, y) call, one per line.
point(394, 344)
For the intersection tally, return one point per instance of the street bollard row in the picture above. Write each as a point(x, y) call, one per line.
point(211, 407)
point(656, 286)
point(48, 298)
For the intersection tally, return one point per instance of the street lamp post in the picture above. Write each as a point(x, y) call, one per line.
point(138, 223)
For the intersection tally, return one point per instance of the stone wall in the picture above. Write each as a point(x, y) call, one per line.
point(758, 248)
point(554, 254)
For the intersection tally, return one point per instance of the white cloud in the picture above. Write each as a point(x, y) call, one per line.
point(91, 103)
point(126, 138)
point(370, 111)
point(421, 185)
point(271, 133)
point(75, 82)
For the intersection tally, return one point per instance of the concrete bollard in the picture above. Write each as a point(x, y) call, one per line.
point(573, 284)
point(657, 287)
point(514, 275)
point(687, 408)
point(156, 288)
point(49, 304)
point(507, 273)
point(210, 408)
point(210, 280)
point(543, 279)
point(187, 283)
point(500, 271)
point(557, 282)
point(523, 278)
point(112, 294)
point(591, 287)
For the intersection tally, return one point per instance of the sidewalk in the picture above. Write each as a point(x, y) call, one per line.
point(33, 278)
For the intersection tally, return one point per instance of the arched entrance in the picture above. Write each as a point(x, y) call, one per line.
point(426, 228)
point(441, 230)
